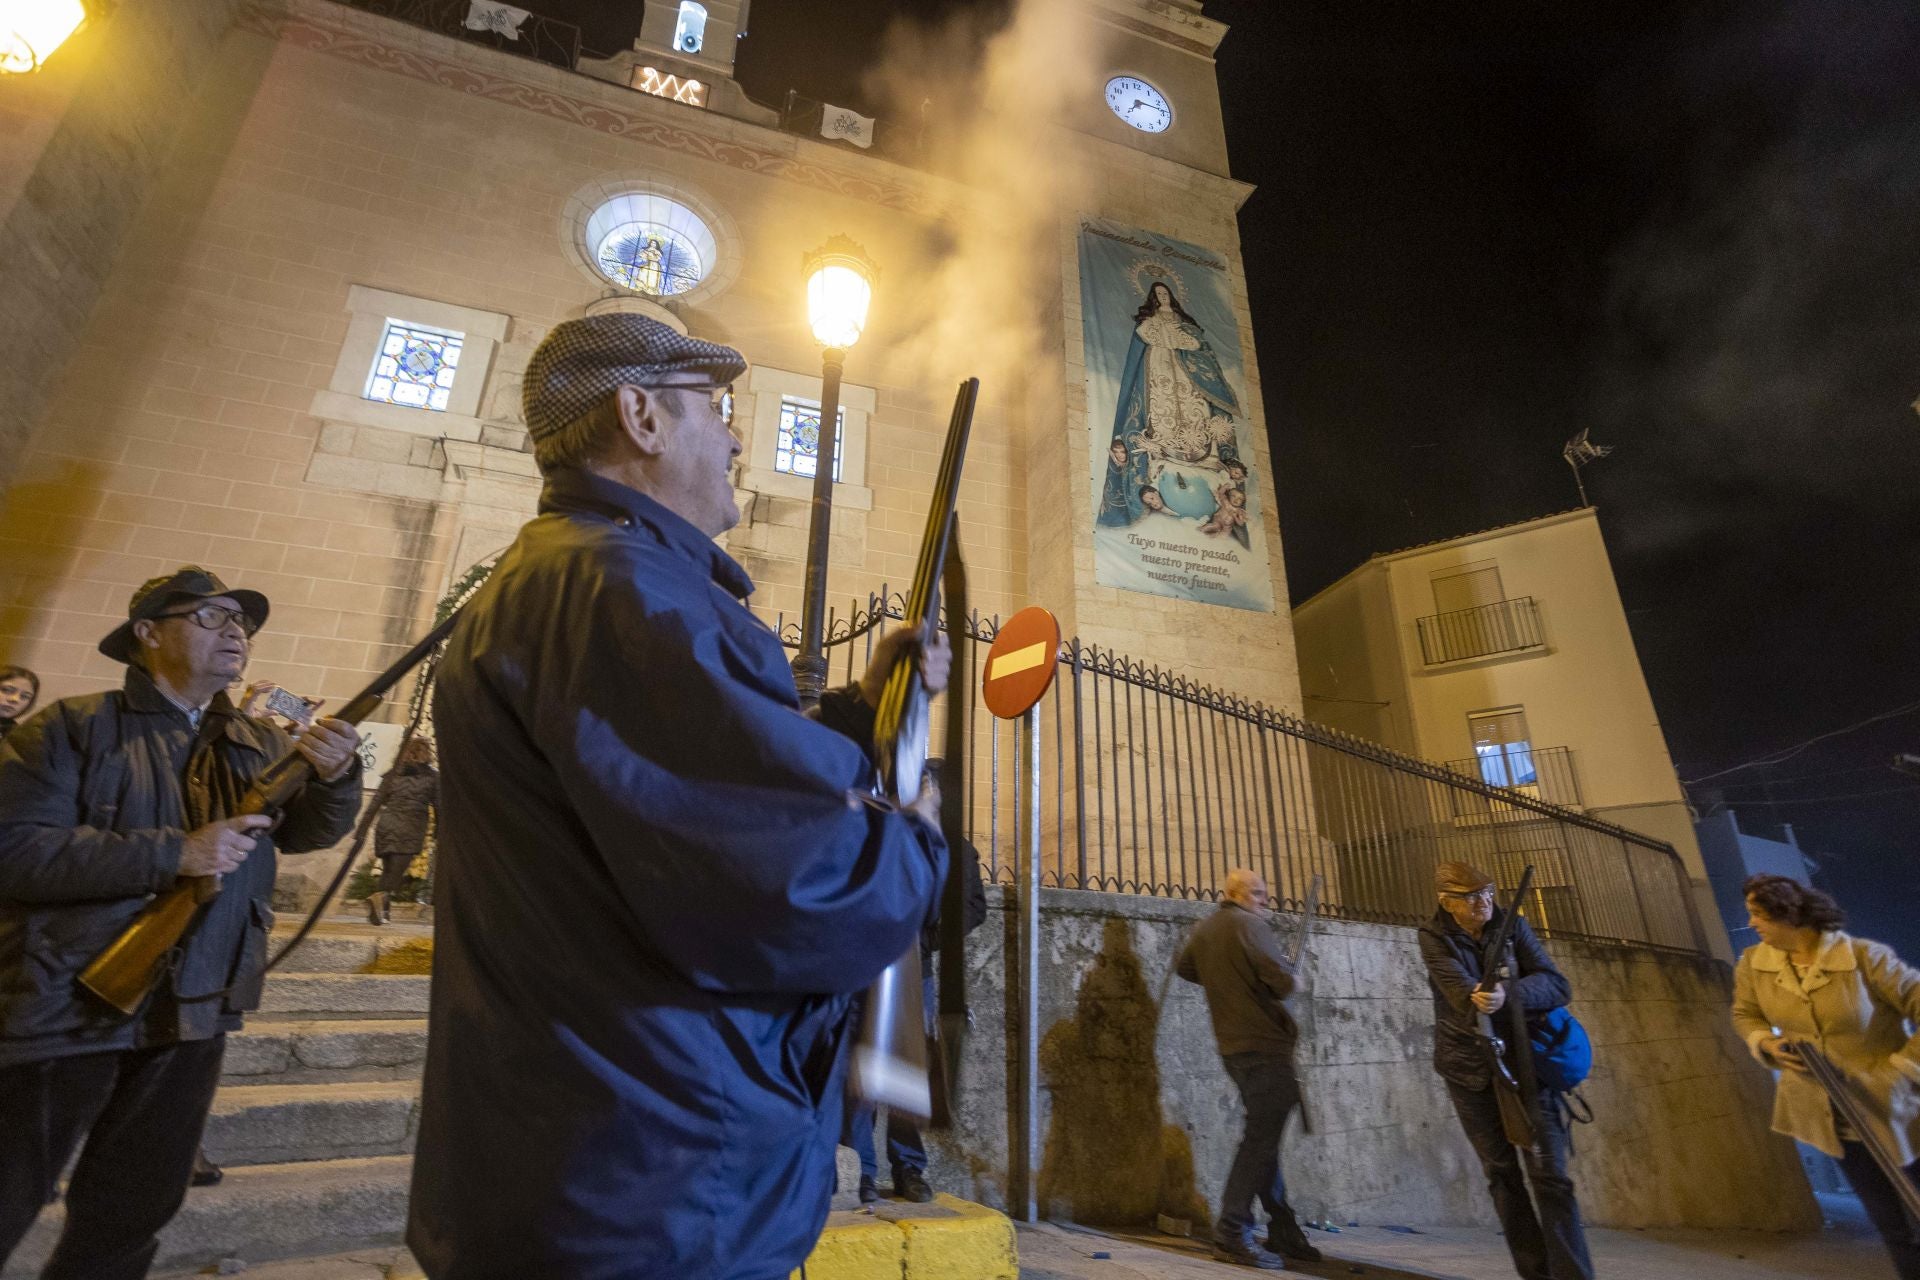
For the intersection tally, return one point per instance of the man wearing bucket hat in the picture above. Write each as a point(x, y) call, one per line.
point(105, 800)
point(1543, 1230)
point(658, 886)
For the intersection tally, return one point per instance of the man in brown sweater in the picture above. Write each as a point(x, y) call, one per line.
point(1234, 956)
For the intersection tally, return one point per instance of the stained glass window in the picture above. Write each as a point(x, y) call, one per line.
point(796, 450)
point(649, 257)
point(415, 367)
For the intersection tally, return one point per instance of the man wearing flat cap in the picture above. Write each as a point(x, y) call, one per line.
point(659, 886)
point(1543, 1231)
point(105, 801)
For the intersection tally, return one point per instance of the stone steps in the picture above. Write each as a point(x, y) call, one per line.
point(347, 996)
point(262, 1212)
point(285, 1123)
point(327, 1051)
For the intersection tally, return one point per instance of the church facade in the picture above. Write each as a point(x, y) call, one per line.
point(301, 367)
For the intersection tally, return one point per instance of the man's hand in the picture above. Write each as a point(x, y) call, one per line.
point(220, 847)
point(935, 658)
point(329, 745)
point(1491, 1001)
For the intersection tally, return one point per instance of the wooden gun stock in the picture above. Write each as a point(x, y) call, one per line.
point(125, 974)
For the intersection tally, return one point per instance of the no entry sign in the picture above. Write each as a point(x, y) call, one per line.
point(1021, 663)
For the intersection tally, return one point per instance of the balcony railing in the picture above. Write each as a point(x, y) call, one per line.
point(1505, 626)
point(1544, 773)
point(535, 36)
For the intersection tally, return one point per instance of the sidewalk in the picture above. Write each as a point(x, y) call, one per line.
point(1847, 1250)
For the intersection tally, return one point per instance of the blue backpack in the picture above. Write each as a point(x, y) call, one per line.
point(1562, 1051)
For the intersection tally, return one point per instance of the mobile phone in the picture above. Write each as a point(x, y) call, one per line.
point(291, 705)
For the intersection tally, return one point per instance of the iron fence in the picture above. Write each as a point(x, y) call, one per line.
point(534, 36)
point(1505, 626)
point(1155, 784)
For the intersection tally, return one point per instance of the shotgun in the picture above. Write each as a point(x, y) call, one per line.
point(890, 1054)
point(1298, 947)
point(125, 974)
point(1516, 1108)
point(1859, 1111)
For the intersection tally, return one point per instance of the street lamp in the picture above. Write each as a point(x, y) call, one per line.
point(30, 30)
point(839, 290)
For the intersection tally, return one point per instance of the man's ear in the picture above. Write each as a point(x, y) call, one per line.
point(642, 418)
point(143, 634)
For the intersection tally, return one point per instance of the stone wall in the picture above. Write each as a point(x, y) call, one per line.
point(81, 140)
point(1138, 1118)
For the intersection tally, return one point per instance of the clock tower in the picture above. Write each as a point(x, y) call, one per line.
point(1158, 89)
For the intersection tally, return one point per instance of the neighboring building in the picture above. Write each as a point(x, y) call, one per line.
point(1505, 655)
point(1731, 855)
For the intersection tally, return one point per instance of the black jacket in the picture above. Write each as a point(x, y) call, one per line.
point(1235, 957)
point(97, 794)
point(412, 793)
point(658, 889)
point(1454, 970)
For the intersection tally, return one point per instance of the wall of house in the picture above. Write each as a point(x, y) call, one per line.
point(1352, 673)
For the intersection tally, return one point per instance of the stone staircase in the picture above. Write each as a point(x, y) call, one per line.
point(316, 1113)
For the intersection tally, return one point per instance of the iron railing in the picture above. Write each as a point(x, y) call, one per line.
point(1505, 626)
point(1154, 784)
point(1545, 773)
point(538, 36)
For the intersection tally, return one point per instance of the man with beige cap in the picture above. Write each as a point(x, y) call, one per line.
point(1543, 1232)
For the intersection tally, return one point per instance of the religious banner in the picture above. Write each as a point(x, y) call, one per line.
point(1176, 502)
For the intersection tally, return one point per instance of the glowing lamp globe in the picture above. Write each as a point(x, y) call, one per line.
point(30, 30)
point(839, 291)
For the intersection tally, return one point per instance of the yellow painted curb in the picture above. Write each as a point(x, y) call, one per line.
point(976, 1243)
point(857, 1246)
point(415, 955)
point(950, 1239)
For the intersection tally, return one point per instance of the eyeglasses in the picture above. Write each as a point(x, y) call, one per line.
point(719, 397)
point(215, 617)
point(1478, 895)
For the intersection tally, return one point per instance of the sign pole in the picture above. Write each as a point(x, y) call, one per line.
point(1029, 904)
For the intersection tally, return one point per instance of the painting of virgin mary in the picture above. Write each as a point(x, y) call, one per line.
point(1175, 410)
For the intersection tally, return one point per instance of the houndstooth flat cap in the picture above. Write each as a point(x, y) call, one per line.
point(582, 360)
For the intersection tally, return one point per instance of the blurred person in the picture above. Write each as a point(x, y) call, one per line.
point(1856, 1001)
point(106, 800)
point(1234, 957)
point(412, 794)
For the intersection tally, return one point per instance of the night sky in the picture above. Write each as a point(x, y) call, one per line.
point(1691, 228)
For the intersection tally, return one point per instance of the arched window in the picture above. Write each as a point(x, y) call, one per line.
point(650, 244)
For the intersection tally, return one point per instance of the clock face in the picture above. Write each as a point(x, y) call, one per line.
point(1139, 104)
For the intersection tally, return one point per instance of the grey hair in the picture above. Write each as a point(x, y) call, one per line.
point(586, 440)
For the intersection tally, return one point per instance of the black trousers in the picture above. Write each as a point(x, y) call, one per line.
point(140, 1113)
point(393, 871)
point(1543, 1232)
point(1270, 1092)
point(1882, 1203)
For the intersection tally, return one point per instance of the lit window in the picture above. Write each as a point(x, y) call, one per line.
point(796, 450)
point(649, 244)
point(1503, 747)
point(690, 32)
point(415, 366)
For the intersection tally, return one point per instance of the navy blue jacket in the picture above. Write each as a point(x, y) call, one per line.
point(97, 794)
point(1454, 970)
point(654, 900)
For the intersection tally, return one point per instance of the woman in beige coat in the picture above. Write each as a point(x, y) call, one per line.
point(1855, 1001)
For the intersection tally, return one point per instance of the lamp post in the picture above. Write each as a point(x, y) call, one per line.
point(30, 30)
point(839, 289)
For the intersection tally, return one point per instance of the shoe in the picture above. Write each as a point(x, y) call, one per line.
point(911, 1184)
point(1285, 1238)
point(869, 1193)
point(373, 908)
point(1246, 1253)
point(205, 1172)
